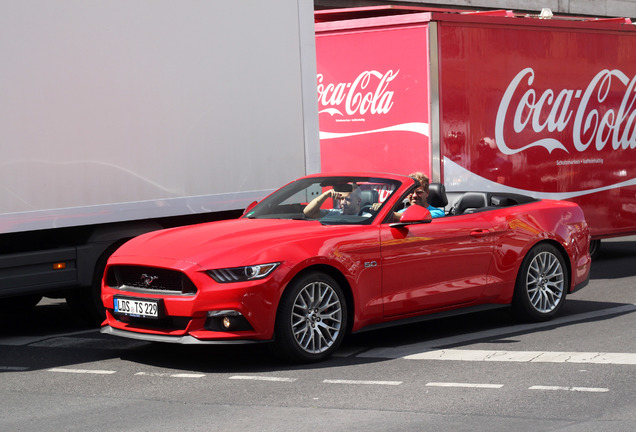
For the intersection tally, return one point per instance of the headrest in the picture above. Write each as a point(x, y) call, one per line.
point(501, 201)
point(368, 197)
point(470, 200)
point(437, 195)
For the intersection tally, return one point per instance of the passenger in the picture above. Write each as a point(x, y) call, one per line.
point(349, 202)
point(419, 197)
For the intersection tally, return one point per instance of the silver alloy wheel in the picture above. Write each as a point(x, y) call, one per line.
point(545, 282)
point(316, 317)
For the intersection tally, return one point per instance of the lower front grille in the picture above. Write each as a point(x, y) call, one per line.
point(149, 280)
point(168, 323)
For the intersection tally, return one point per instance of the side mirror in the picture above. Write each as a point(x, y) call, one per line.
point(414, 214)
point(250, 207)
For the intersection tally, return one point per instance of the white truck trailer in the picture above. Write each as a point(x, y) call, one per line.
point(121, 117)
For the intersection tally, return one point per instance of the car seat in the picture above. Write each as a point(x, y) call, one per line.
point(469, 201)
point(437, 195)
point(369, 197)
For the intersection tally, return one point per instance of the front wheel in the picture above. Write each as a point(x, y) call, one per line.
point(541, 284)
point(312, 318)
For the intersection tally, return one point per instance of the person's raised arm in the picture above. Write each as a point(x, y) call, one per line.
point(312, 210)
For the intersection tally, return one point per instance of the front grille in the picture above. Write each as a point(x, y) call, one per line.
point(149, 280)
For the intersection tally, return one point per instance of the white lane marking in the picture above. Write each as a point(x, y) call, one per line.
point(526, 356)
point(326, 381)
point(83, 371)
point(261, 378)
point(420, 347)
point(361, 382)
point(464, 385)
point(187, 375)
point(152, 374)
point(165, 374)
point(574, 389)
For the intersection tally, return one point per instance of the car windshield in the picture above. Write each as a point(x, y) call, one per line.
point(330, 200)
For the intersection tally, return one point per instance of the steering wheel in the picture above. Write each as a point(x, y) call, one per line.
point(367, 209)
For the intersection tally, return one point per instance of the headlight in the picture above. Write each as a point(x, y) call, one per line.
point(242, 274)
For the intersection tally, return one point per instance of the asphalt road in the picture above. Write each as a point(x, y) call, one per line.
point(480, 371)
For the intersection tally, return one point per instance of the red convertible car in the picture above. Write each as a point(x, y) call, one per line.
point(331, 254)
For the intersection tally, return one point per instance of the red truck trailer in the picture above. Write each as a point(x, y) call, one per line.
point(485, 100)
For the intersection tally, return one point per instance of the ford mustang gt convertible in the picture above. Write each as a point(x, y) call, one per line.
point(327, 255)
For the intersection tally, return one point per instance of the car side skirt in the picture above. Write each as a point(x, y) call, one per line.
point(432, 316)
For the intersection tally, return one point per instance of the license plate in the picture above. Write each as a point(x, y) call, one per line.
point(136, 307)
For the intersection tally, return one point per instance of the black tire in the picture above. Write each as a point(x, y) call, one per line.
point(542, 284)
point(595, 249)
point(312, 319)
point(19, 304)
point(87, 302)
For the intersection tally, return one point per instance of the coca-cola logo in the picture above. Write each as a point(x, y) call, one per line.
point(597, 119)
point(367, 93)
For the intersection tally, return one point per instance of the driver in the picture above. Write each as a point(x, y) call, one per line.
point(418, 196)
point(349, 203)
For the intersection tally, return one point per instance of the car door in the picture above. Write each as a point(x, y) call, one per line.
point(435, 265)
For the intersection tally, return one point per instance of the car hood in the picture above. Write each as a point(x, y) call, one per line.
point(229, 243)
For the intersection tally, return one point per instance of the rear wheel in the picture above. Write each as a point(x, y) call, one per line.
point(595, 249)
point(541, 284)
point(312, 318)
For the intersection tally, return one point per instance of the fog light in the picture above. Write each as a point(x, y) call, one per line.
point(226, 320)
point(227, 323)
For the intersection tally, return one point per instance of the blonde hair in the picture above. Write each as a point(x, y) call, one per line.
point(422, 178)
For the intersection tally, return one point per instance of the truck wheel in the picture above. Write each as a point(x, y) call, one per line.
point(312, 318)
point(87, 302)
point(19, 304)
point(541, 284)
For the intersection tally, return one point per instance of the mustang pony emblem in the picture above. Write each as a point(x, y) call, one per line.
point(147, 280)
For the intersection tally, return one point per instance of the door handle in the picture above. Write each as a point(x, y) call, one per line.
point(479, 233)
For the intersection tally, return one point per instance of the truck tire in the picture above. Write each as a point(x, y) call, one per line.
point(87, 302)
point(19, 304)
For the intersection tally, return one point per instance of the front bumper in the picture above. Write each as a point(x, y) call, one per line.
point(184, 340)
point(187, 318)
